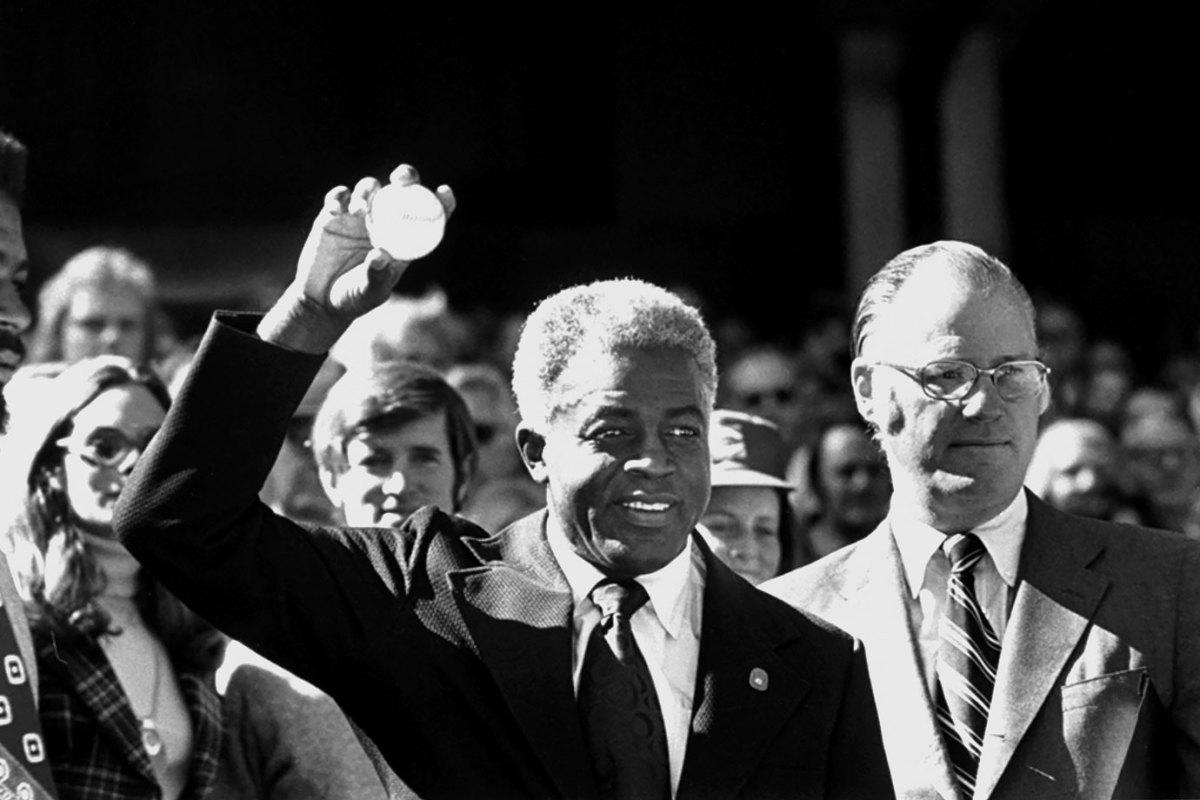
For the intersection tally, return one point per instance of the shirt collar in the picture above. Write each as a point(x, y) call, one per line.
point(668, 587)
point(1002, 536)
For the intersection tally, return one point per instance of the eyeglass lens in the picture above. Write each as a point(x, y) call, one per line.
point(110, 446)
point(954, 379)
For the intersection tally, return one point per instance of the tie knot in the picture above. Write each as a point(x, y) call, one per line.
point(614, 596)
point(964, 551)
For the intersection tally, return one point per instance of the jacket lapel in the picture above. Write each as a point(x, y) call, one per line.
point(875, 600)
point(517, 606)
point(204, 706)
point(93, 679)
point(1056, 597)
point(732, 720)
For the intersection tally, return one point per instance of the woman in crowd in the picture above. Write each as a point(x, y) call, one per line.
point(748, 522)
point(127, 699)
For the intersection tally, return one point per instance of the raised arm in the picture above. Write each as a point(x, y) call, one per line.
point(190, 511)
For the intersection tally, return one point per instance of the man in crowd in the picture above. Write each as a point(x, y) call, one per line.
point(489, 665)
point(1073, 468)
point(391, 439)
point(1016, 651)
point(26, 772)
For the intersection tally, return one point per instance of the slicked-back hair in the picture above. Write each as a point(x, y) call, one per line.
point(608, 316)
point(387, 396)
point(102, 267)
point(14, 159)
point(985, 272)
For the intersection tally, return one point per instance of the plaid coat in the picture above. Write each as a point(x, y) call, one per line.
point(93, 737)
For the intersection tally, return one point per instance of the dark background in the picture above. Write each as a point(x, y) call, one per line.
point(688, 146)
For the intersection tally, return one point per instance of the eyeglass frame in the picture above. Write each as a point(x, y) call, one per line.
point(77, 445)
point(913, 373)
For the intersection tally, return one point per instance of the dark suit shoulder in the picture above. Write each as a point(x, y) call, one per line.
point(429, 540)
point(1119, 547)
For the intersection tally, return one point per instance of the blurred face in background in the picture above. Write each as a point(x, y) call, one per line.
point(1162, 456)
point(494, 414)
point(854, 483)
point(764, 383)
point(104, 321)
point(742, 527)
point(14, 316)
point(293, 487)
point(1074, 463)
point(108, 437)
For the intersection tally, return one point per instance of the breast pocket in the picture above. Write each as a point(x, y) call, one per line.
point(1099, 717)
point(1119, 688)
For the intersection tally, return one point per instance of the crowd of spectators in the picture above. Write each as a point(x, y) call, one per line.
point(414, 407)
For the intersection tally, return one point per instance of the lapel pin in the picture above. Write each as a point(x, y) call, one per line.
point(759, 680)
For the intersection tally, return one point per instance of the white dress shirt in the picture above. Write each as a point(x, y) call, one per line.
point(666, 628)
point(927, 569)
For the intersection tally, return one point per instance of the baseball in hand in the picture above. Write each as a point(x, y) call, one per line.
point(406, 221)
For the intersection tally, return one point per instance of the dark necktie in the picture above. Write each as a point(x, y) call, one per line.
point(618, 706)
point(24, 768)
point(968, 652)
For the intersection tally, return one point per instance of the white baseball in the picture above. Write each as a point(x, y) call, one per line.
point(406, 221)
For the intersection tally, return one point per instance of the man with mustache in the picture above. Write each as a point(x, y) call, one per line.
point(1015, 651)
point(594, 649)
point(21, 747)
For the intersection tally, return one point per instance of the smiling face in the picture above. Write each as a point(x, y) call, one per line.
point(391, 472)
point(956, 464)
point(741, 525)
point(92, 489)
point(625, 458)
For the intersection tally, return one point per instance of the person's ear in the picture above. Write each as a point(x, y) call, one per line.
point(860, 381)
point(532, 446)
point(329, 483)
point(1044, 397)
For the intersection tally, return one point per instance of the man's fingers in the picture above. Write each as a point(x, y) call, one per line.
point(404, 175)
point(449, 201)
point(360, 197)
point(335, 199)
point(379, 260)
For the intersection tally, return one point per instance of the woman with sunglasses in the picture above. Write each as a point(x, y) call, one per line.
point(127, 698)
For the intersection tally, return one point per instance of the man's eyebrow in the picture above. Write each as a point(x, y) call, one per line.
point(687, 410)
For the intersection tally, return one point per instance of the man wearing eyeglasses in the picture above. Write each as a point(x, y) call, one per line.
point(1015, 651)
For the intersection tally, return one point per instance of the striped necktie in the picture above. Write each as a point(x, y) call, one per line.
point(968, 652)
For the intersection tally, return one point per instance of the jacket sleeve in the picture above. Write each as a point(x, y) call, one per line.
point(190, 513)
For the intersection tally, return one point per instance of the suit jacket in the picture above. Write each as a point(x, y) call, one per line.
point(289, 742)
point(1098, 688)
point(451, 648)
point(93, 738)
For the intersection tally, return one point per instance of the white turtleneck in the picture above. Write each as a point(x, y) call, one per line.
point(142, 665)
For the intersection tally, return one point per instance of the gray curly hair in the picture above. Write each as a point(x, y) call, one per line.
point(603, 317)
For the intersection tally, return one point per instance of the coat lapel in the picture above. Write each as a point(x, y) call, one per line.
point(732, 720)
point(517, 606)
point(875, 609)
point(89, 672)
point(1056, 597)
